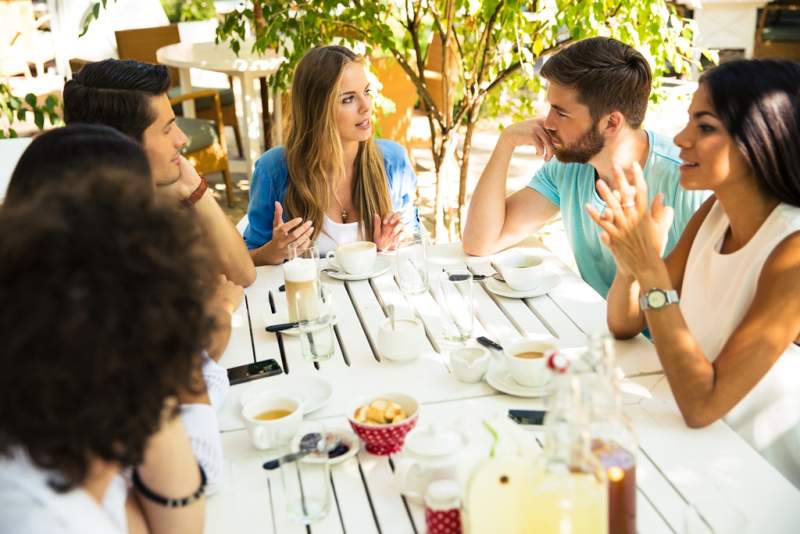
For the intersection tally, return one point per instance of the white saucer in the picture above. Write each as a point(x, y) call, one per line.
point(348, 438)
point(546, 282)
point(381, 265)
point(499, 378)
point(314, 391)
point(280, 318)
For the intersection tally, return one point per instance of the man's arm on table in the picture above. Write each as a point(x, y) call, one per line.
point(495, 222)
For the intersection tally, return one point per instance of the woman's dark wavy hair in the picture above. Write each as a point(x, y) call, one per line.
point(103, 319)
point(116, 93)
point(758, 101)
point(80, 146)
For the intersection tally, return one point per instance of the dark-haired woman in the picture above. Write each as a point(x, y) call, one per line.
point(724, 307)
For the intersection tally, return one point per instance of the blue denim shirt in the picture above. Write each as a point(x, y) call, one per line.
point(271, 178)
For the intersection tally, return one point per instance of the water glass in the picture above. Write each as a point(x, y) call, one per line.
point(411, 264)
point(306, 485)
point(456, 303)
point(317, 337)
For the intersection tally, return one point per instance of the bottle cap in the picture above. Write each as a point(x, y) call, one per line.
point(443, 495)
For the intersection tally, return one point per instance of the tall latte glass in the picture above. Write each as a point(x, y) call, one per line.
point(301, 276)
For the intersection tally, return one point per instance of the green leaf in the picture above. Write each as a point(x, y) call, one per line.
point(30, 99)
point(38, 118)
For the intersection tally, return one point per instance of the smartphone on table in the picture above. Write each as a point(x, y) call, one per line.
point(253, 371)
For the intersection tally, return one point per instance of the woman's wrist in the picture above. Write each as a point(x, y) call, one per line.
point(653, 274)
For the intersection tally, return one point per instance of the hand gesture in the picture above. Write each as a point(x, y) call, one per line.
point(228, 295)
point(634, 234)
point(182, 187)
point(530, 132)
point(387, 231)
point(294, 232)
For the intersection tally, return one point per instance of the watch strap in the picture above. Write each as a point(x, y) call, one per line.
point(670, 295)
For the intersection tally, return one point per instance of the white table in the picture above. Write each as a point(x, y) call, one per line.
point(10, 152)
point(246, 69)
point(676, 466)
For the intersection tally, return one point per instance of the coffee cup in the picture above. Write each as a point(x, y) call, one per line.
point(520, 271)
point(302, 288)
point(469, 364)
point(526, 359)
point(355, 258)
point(404, 341)
point(272, 419)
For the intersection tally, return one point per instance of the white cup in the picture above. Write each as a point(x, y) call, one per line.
point(403, 343)
point(521, 272)
point(272, 433)
point(355, 258)
point(469, 364)
point(530, 372)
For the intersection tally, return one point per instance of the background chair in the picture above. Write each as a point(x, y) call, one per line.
point(206, 148)
point(141, 44)
point(778, 33)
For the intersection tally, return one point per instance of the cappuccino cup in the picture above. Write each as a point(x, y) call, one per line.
point(272, 420)
point(302, 288)
point(355, 258)
point(520, 272)
point(526, 359)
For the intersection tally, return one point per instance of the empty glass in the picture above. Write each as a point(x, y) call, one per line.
point(317, 338)
point(306, 483)
point(454, 296)
point(411, 264)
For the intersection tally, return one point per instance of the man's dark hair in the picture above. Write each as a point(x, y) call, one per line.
point(67, 152)
point(104, 318)
point(607, 74)
point(116, 93)
point(758, 101)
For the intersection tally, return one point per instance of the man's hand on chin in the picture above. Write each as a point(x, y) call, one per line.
point(181, 187)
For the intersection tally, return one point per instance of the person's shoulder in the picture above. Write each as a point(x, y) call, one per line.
point(664, 151)
point(272, 163)
point(392, 151)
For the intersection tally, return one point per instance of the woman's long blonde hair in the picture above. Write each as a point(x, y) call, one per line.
point(314, 143)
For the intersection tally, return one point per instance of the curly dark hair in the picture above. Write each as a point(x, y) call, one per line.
point(104, 318)
point(64, 153)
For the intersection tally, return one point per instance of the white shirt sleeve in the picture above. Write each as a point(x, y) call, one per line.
point(202, 426)
point(217, 383)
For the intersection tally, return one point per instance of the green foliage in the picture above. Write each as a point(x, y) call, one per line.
point(189, 10)
point(14, 108)
point(498, 41)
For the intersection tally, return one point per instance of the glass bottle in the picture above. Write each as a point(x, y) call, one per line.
point(569, 492)
point(613, 439)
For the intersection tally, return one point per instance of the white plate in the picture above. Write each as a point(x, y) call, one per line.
point(280, 318)
point(500, 379)
point(381, 265)
point(346, 437)
point(545, 283)
point(314, 391)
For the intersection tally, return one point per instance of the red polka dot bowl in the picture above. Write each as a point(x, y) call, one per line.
point(383, 440)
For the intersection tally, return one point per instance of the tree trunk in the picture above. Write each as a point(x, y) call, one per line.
point(472, 120)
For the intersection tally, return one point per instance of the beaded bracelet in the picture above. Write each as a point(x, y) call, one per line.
point(164, 501)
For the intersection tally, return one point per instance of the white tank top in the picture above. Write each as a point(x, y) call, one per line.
point(334, 234)
point(717, 292)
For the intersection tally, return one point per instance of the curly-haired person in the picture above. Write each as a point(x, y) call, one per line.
point(63, 156)
point(105, 315)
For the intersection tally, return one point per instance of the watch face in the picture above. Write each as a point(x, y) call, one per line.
point(656, 299)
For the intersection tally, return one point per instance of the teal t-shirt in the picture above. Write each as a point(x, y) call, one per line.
point(571, 186)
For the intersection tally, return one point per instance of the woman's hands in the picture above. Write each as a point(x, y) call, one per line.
point(634, 234)
point(387, 231)
point(294, 232)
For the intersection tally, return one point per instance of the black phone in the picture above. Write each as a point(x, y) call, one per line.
point(527, 417)
point(253, 371)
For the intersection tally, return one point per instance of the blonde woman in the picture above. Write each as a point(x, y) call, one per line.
point(333, 181)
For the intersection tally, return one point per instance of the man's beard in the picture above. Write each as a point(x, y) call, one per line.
point(581, 151)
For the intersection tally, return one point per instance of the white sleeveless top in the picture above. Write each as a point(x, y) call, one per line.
point(334, 234)
point(717, 291)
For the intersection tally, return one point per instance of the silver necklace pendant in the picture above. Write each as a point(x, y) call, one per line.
point(344, 215)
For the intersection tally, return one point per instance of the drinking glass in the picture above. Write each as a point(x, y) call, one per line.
point(456, 303)
point(301, 276)
point(317, 338)
point(306, 483)
point(411, 264)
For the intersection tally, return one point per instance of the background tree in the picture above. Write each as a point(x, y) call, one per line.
point(14, 108)
point(494, 45)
